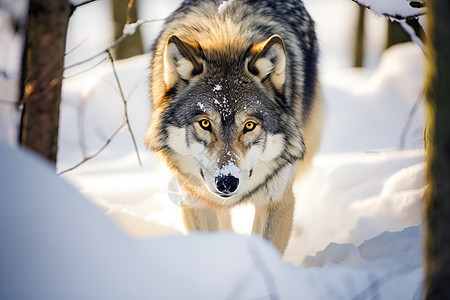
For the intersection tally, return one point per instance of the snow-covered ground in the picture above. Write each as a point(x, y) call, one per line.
point(55, 244)
point(362, 183)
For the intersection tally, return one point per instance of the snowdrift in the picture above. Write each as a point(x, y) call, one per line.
point(55, 244)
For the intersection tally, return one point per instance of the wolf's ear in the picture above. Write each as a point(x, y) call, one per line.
point(181, 61)
point(268, 59)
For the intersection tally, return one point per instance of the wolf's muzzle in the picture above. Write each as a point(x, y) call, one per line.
point(227, 184)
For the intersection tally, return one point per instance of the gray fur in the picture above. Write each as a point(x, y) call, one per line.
point(220, 47)
point(260, 20)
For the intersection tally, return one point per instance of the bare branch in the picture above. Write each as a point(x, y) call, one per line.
point(124, 107)
point(412, 112)
point(130, 30)
point(125, 34)
point(408, 20)
point(85, 159)
point(415, 31)
point(129, 6)
point(76, 46)
point(394, 17)
point(86, 70)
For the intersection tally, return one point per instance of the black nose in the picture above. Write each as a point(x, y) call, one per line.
point(227, 184)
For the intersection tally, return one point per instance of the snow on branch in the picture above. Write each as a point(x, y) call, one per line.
point(130, 29)
point(405, 12)
point(395, 9)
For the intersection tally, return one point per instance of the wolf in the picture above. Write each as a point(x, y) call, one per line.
point(236, 109)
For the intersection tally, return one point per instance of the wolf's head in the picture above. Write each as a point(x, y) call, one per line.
point(223, 123)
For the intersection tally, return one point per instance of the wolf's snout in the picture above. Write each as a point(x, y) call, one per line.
point(227, 184)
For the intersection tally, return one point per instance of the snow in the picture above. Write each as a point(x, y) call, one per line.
point(130, 29)
point(223, 7)
point(77, 2)
point(217, 87)
point(385, 250)
point(228, 169)
point(397, 9)
point(360, 198)
point(378, 101)
point(412, 33)
point(201, 106)
point(112, 230)
point(58, 245)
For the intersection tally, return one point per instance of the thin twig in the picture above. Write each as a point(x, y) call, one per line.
point(81, 128)
point(133, 89)
point(124, 107)
point(129, 6)
point(124, 35)
point(30, 92)
point(412, 112)
point(76, 46)
point(108, 52)
point(413, 28)
point(86, 60)
point(81, 131)
point(86, 70)
point(30, 87)
point(85, 159)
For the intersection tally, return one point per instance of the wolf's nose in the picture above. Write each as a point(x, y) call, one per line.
point(227, 184)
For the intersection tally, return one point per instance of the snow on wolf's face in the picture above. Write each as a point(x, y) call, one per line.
point(226, 138)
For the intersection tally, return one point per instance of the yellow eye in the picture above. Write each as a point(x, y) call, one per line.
point(205, 124)
point(249, 126)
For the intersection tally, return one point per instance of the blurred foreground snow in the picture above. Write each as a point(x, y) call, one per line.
point(56, 245)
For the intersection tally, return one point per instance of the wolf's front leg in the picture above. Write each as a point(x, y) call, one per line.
point(200, 218)
point(274, 221)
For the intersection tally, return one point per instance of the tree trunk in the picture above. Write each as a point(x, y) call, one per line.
point(44, 61)
point(359, 41)
point(437, 202)
point(132, 45)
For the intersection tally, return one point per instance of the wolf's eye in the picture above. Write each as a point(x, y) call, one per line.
point(249, 126)
point(205, 124)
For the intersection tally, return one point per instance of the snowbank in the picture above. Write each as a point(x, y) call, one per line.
point(55, 244)
point(349, 198)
